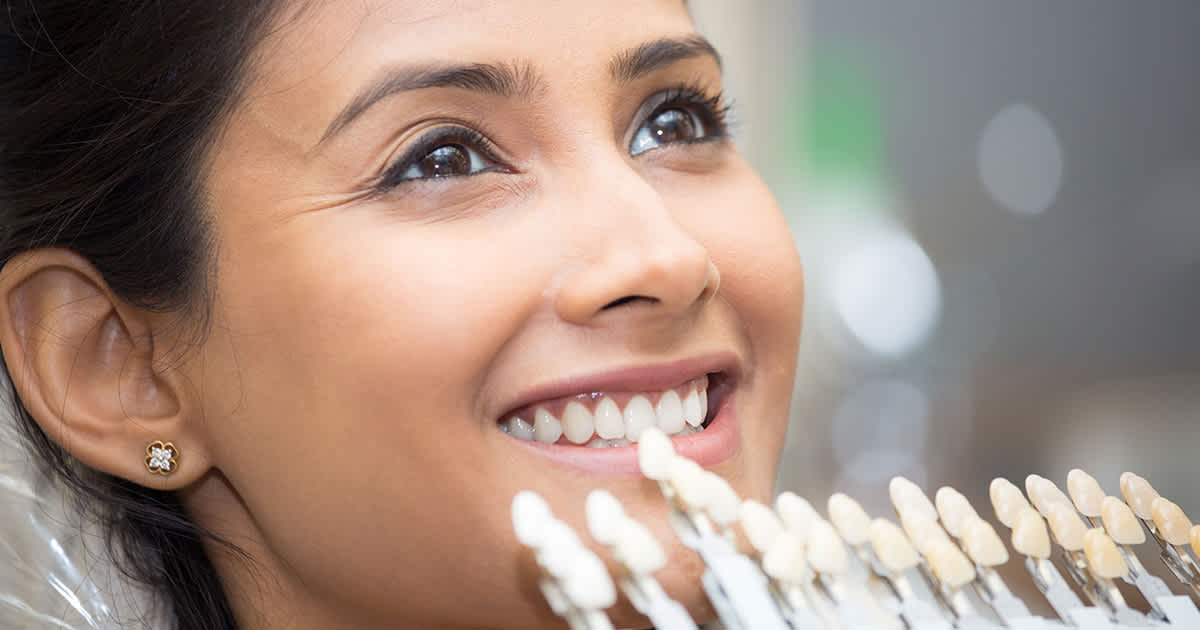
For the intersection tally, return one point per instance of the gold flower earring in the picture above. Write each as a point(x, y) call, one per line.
point(161, 457)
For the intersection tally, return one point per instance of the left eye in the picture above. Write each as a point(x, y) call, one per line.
point(668, 126)
point(448, 160)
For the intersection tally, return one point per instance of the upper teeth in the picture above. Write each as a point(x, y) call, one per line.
point(606, 424)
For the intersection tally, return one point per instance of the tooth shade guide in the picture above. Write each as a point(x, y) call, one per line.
point(892, 547)
point(1042, 493)
point(796, 513)
point(604, 516)
point(1068, 528)
point(786, 559)
point(907, 497)
point(923, 532)
point(1139, 494)
point(1173, 525)
point(1007, 500)
point(1195, 538)
point(1086, 493)
point(759, 525)
point(826, 553)
point(790, 560)
point(1029, 534)
point(850, 519)
point(1122, 525)
point(949, 565)
point(982, 543)
point(656, 455)
point(1102, 555)
point(953, 509)
point(723, 502)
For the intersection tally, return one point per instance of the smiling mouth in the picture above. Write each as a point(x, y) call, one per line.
point(612, 419)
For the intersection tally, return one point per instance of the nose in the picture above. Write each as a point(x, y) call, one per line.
point(633, 258)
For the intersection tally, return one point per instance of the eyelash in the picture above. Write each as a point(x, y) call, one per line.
point(429, 142)
point(711, 109)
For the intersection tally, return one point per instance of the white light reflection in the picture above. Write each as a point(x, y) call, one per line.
point(1020, 160)
point(886, 291)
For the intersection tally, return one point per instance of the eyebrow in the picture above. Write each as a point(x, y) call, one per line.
point(633, 64)
point(513, 80)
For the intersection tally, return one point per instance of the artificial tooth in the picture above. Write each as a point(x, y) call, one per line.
point(638, 549)
point(546, 428)
point(1068, 528)
point(826, 553)
point(604, 516)
point(1172, 523)
point(703, 404)
point(982, 543)
point(922, 531)
point(692, 414)
point(796, 513)
point(655, 454)
point(639, 416)
point(1007, 500)
point(1120, 522)
point(723, 502)
point(670, 413)
point(1086, 492)
point(892, 547)
point(1042, 492)
point(908, 497)
point(954, 509)
point(1029, 535)
point(786, 559)
point(1139, 494)
point(760, 525)
point(951, 567)
point(577, 423)
point(598, 443)
point(1103, 556)
point(687, 478)
point(518, 428)
point(608, 421)
point(850, 519)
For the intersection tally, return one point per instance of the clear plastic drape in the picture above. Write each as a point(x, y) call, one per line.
point(54, 569)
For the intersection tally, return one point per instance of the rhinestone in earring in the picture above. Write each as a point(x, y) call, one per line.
point(161, 457)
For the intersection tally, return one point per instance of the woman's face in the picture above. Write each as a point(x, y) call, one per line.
point(430, 220)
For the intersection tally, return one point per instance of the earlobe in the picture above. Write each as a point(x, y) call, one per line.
point(83, 362)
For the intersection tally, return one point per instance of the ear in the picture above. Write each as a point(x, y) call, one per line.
point(83, 363)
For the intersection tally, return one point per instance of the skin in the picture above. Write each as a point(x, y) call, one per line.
point(339, 421)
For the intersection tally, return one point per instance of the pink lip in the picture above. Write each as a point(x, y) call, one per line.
point(718, 442)
point(641, 378)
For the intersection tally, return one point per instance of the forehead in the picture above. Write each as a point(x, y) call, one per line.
point(324, 50)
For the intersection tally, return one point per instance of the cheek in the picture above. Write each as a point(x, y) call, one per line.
point(748, 239)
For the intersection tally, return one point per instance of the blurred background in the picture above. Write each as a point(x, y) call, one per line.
point(998, 206)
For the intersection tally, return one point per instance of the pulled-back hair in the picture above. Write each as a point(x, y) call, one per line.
point(108, 109)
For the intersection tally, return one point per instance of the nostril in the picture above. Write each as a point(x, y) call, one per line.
point(625, 300)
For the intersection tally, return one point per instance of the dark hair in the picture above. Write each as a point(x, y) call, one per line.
point(108, 109)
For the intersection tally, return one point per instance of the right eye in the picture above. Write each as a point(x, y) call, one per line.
point(442, 153)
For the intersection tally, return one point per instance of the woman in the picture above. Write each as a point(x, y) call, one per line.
point(278, 277)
